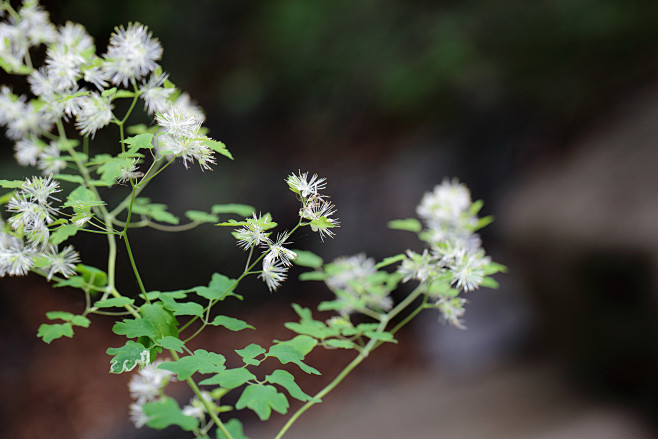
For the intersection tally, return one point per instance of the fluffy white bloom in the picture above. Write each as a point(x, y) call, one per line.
point(137, 415)
point(273, 274)
point(24, 119)
point(63, 66)
point(50, 161)
point(93, 73)
point(468, 270)
point(41, 83)
point(187, 148)
point(26, 152)
point(278, 251)
point(251, 234)
point(418, 266)
point(305, 187)
point(40, 189)
point(195, 407)
point(146, 384)
point(446, 202)
point(95, 113)
point(34, 23)
point(75, 38)
point(130, 173)
point(16, 258)
point(63, 262)
point(131, 54)
point(452, 310)
point(319, 210)
point(156, 97)
point(346, 269)
point(179, 123)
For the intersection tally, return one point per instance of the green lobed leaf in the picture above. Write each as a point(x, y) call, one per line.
point(68, 317)
point(203, 217)
point(181, 309)
point(262, 399)
point(173, 343)
point(219, 288)
point(294, 351)
point(313, 275)
point(381, 336)
point(70, 178)
point(306, 258)
point(250, 352)
point(234, 427)
point(287, 381)
point(231, 323)
point(118, 302)
point(390, 260)
point(49, 332)
point(218, 147)
point(157, 211)
point(11, 184)
point(230, 379)
point(409, 224)
point(62, 233)
point(81, 196)
point(92, 275)
point(339, 343)
point(155, 322)
point(242, 210)
point(128, 356)
point(166, 412)
point(201, 361)
point(113, 168)
point(140, 141)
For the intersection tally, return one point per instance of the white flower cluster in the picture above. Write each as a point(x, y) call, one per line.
point(316, 207)
point(147, 386)
point(357, 284)
point(455, 253)
point(32, 213)
point(76, 83)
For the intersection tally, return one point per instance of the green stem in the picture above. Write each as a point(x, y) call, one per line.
point(209, 408)
point(134, 267)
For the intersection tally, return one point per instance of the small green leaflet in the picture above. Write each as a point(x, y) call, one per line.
point(68, 317)
point(157, 211)
point(166, 412)
point(173, 343)
point(128, 356)
point(249, 354)
point(113, 168)
point(181, 309)
point(201, 361)
point(11, 184)
point(218, 147)
point(262, 399)
point(202, 217)
point(242, 210)
point(49, 332)
point(230, 379)
point(390, 260)
point(234, 428)
point(409, 224)
point(81, 196)
point(219, 288)
point(70, 178)
point(62, 233)
point(156, 322)
point(231, 323)
point(140, 141)
point(92, 275)
point(294, 351)
point(306, 258)
point(287, 381)
point(118, 302)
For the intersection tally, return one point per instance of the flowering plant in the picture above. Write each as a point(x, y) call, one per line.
point(75, 94)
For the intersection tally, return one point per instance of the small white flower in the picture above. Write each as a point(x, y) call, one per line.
point(34, 23)
point(95, 113)
point(418, 266)
point(452, 310)
point(273, 274)
point(195, 407)
point(252, 234)
point(63, 262)
point(41, 189)
point(27, 152)
point(277, 251)
point(50, 161)
point(305, 187)
point(147, 383)
point(63, 66)
point(75, 38)
point(131, 173)
point(178, 122)
point(156, 97)
point(131, 54)
point(347, 269)
point(468, 270)
point(16, 258)
point(137, 415)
